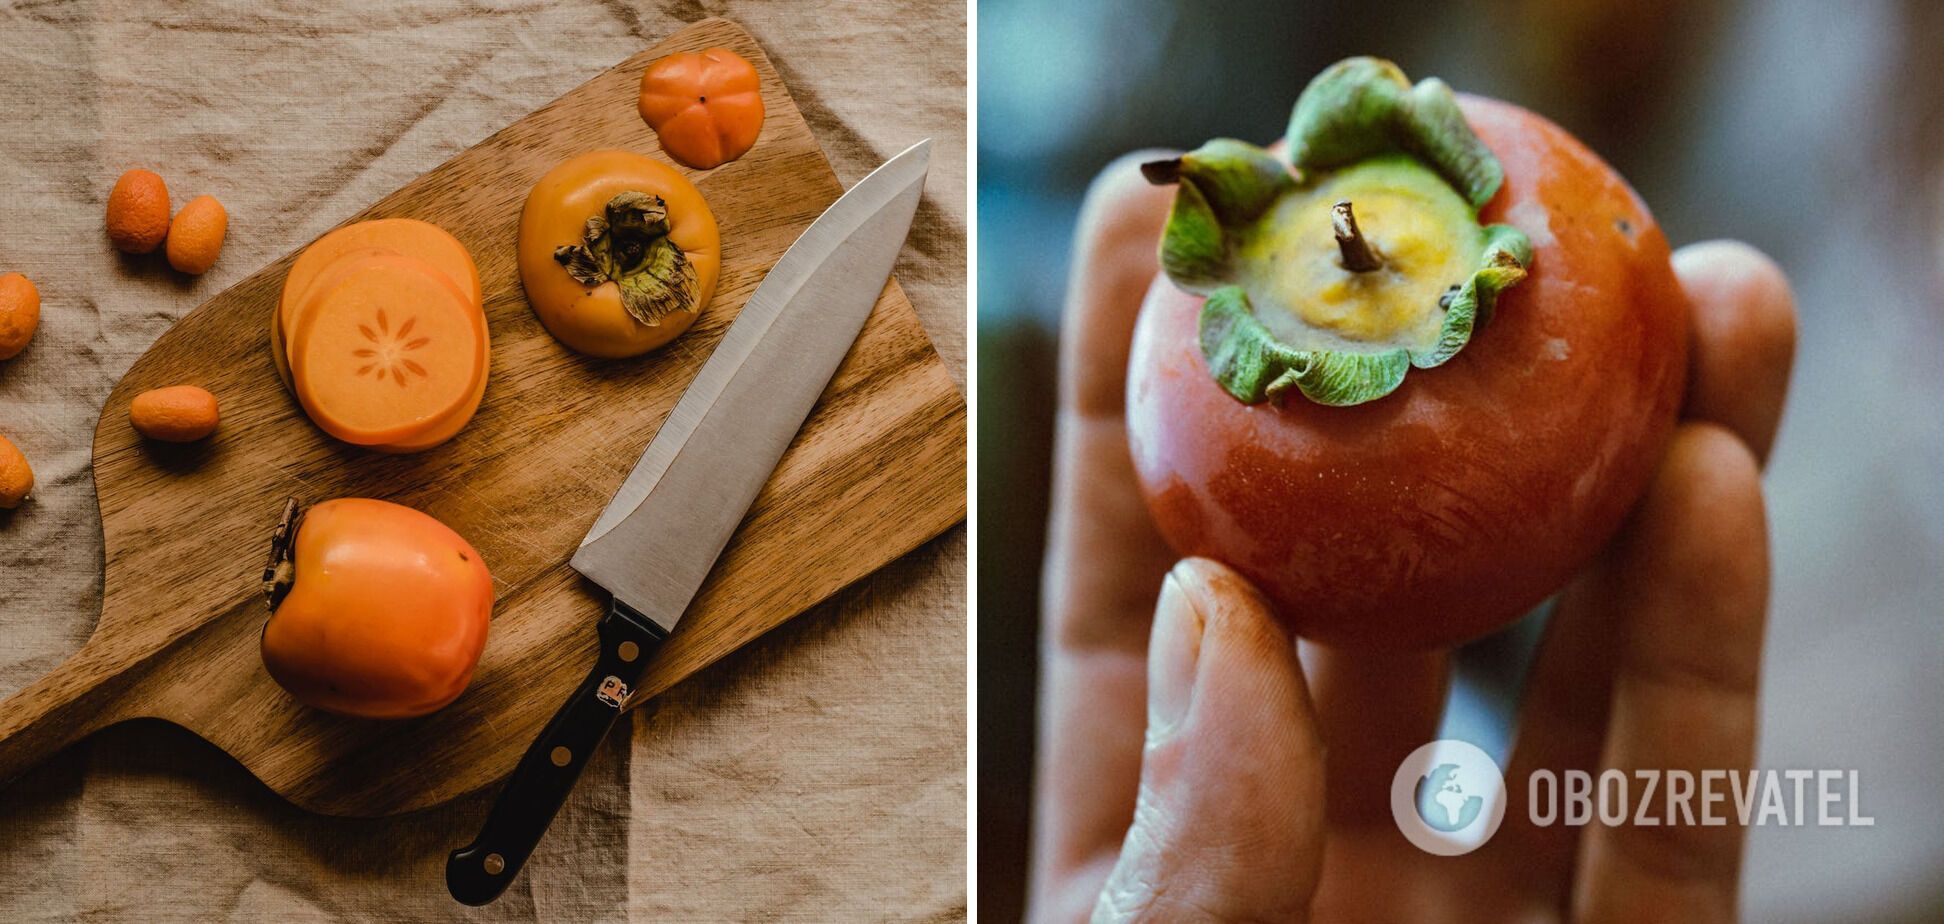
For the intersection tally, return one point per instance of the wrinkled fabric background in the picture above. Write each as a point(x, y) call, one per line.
point(817, 775)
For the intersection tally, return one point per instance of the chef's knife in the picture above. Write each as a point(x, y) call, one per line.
point(660, 534)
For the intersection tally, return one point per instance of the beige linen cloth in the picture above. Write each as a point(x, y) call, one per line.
point(817, 775)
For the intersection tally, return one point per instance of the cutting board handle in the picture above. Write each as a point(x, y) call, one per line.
point(69, 703)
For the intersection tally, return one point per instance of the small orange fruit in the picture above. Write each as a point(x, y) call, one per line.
point(176, 414)
point(705, 106)
point(196, 235)
point(138, 212)
point(19, 313)
point(16, 478)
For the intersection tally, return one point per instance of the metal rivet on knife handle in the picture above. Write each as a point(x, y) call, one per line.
point(495, 864)
point(629, 651)
point(561, 756)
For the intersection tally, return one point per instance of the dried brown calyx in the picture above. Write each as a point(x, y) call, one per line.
point(627, 244)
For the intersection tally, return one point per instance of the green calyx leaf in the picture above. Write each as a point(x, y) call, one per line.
point(1301, 294)
point(1223, 184)
point(1362, 107)
point(1470, 306)
point(1253, 366)
point(627, 244)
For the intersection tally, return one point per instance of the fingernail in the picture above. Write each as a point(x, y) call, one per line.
point(1173, 650)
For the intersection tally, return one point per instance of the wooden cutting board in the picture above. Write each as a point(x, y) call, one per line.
point(878, 468)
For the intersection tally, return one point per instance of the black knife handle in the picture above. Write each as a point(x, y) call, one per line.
point(478, 872)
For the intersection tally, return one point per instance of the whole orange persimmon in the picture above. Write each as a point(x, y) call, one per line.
point(383, 611)
point(599, 203)
point(1409, 374)
point(706, 106)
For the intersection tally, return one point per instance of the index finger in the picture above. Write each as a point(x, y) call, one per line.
point(1104, 561)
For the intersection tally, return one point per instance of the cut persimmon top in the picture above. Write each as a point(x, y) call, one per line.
point(385, 347)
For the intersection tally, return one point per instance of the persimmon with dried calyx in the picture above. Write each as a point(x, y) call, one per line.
point(1409, 374)
point(705, 106)
point(618, 253)
point(377, 610)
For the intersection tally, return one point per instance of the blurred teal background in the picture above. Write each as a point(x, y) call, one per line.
point(1813, 130)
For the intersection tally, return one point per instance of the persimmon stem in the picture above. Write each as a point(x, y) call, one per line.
point(1162, 172)
point(278, 572)
point(1358, 256)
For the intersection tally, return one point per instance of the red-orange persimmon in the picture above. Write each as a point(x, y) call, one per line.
point(1451, 506)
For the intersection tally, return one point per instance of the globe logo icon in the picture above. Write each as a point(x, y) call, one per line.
point(1442, 802)
point(1448, 797)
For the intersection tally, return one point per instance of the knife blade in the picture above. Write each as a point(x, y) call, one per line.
point(659, 536)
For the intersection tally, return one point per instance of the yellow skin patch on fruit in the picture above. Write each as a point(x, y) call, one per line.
point(1424, 233)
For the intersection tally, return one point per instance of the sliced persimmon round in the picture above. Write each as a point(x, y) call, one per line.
point(434, 434)
point(322, 278)
point(438, 433)
point(386, 351)
point(278, 353)
point(405, 236)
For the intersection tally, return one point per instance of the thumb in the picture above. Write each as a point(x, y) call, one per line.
point(1229, 821)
